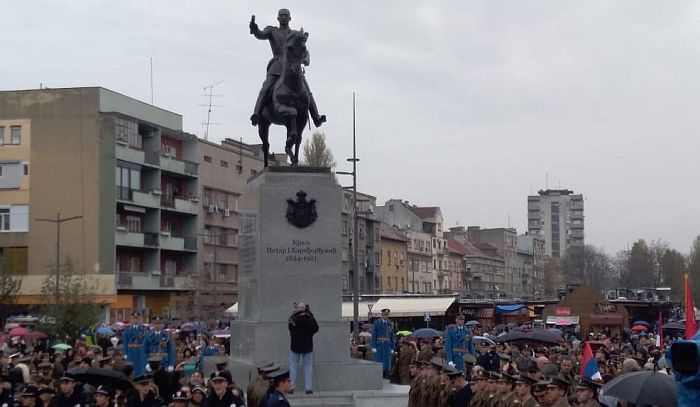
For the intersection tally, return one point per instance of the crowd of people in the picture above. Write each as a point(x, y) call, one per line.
point(447, 369)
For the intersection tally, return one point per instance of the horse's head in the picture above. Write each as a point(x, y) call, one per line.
point(295, 48)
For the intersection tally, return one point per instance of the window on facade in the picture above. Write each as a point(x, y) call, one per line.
point(5, 219)
point(0, 170)
point(207, 159)
point(25, 169)
point(127, 131)
point(378, 258)
point(388, 256)
point(134, 264)
point(224, 164)
point(14, 259)
point(207, 235)
point(2, 134)
point(133, 223)
point(345, 254)
point(170, 267)
point(396, 258)
point(15, 134)
point(388, 283)
point(127, 180)
point(345, 227)
point(403, 286)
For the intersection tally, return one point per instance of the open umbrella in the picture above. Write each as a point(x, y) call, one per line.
point(37, 335)
point(472, 323)
point(644, 388)
point(674, 326)
point(222, 333)
point(643, 323)
point(98, 376)
point(639, 328)
point(483, 339)
point(105, 330)
point(19, 331)
point(62, 346)
point(403, 333)
point(424, 333)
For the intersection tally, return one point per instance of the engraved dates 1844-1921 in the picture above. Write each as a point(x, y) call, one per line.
point(301, 213)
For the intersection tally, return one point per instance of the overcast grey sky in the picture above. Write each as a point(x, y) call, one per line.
point(466, 105)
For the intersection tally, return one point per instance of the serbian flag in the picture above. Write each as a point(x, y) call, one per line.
point(589, 364)
point(691, 326)
point(660, 337)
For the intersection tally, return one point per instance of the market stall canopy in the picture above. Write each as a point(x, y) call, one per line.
point(504, 309)
point(570, 320)
point(414, 307)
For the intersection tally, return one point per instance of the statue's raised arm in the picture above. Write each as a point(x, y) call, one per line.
point(254, 30)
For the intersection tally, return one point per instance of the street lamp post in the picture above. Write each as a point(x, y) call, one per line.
point(58, 222)
point(356, 238)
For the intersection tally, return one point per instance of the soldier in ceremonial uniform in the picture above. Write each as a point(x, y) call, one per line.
point(586, 392)
point(491, 399)
point(429, 390)
point(282, 384)
point(134, 339)
point(557, 392)
point(461, 393)
point(522, 391)
point(160, 343)
point(458, 342)
point(415, 393)
point(144, 395)
point(478, 386)
point(506, 384)
point(383, 340)
point(414, 371)
point(260, 384)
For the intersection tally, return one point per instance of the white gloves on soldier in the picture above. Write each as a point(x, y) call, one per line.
point(451, 363)
point(374, 350)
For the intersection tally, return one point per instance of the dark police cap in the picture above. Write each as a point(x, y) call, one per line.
point(135, 314)
point(455, 374)
point(583, 383)
point(540, 388)
point(106, 390)
point(199, 387)
point(156, 318)
point(66, 378)
point(479, 374)
point(522, 378)
point(269, 369)
point(143, 379)
point(495, 375)
point(264, 364)
point(222, 375)
point(30, 391)
point(46, 390)
point(279, 376)
point(504, 356)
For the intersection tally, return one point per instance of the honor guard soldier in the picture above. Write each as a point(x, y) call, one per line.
point(144, 395)
point(557, 392)
point(586, 392)
point(492, 386)
point(507, 383)
point(458, 342)
point(478, 387)
point(134, 339)
point(383, 340)
point(160, 343)
point(461, 393)
point(523, 392)
point(282, 384)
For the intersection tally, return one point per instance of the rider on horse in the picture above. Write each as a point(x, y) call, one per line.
point(277, 37)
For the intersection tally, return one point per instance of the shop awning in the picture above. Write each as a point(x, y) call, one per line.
point(414, 307)
point(605, 319)
point(504, 309)
point(363, 310)
point(570, 320)
point(484, 313)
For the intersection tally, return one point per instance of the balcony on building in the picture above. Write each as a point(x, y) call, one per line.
point(136, 226)
point(179, 194)
point(135, 141)
point(178, 154)
point(137, 184)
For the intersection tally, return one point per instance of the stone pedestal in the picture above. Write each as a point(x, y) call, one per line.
point(281, 264)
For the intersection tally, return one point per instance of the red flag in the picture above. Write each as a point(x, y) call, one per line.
point(691, 326)
point(660, 342)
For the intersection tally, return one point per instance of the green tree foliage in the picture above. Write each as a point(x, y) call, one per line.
point(316, 151)
point(673, 266)
point(694, 266)
point(588, 266)
point(76, 308)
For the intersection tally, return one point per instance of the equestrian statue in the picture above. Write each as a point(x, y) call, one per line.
point(285, 98)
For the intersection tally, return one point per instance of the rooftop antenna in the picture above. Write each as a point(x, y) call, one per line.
point(546, 180)
point(209, 94)
point(509, 221)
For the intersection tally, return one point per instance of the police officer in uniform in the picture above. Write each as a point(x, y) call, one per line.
point(462, 392)
point(69, 394)
point(161, 344)
point(144, 395)
point(383, 340)
point(134, 338)
point(103, 396)
point(221, 395)
point(586, 392)
point(29, 397)
point(260, 384)
point(282, 384)
point(458, 342)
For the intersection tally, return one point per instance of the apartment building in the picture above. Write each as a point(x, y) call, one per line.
point(125, 170)
point(557, 216)
point(394, 271)
point(531, 262)
point(369, 254)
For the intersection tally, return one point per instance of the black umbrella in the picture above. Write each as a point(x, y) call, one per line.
point(532, 336)
point(98, 376)
point(674, 325)
point(426, 333)
point(645, 387)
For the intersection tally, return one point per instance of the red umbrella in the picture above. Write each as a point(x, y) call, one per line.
point(38, 335)
point(639, 328)
point(19, 331)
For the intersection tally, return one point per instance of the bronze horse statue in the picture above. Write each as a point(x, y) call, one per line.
point(289, 104)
